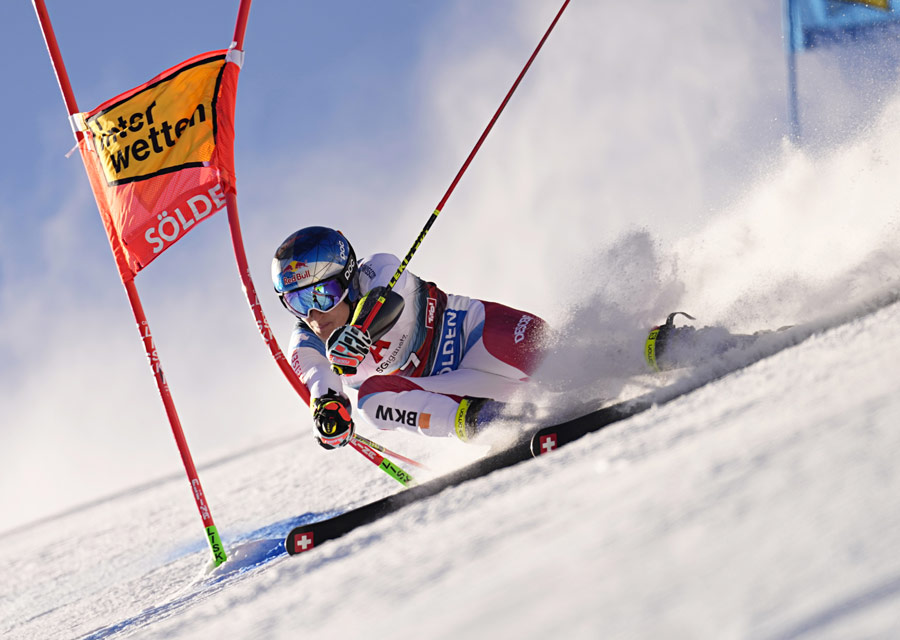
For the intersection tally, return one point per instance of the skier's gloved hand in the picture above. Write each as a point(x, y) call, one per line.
point(334, 426)
point(347, 347)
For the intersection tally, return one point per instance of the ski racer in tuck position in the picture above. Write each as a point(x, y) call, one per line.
point(433, 363)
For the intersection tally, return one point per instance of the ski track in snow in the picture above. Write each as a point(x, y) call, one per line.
point(763, 505)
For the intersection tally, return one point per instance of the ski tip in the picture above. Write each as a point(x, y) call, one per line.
point(299, 540)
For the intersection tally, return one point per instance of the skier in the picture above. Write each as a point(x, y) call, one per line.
point(431, 362)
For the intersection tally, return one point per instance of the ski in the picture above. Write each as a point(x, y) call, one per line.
point(545, 439)
point(309, 536)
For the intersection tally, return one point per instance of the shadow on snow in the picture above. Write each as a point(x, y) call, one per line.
point(246, 553)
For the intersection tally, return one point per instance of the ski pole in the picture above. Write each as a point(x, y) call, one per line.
point(383, 463)
point(380, 302)
point(386, 451)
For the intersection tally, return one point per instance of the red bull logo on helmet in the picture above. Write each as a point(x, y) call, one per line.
point(294, 273)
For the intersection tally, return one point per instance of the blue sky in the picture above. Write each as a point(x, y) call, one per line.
point(358, 115)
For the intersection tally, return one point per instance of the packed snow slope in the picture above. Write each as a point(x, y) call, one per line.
point(617, 188)
point(762, 506)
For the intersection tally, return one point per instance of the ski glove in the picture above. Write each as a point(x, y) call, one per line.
point(334, 426)
point(347, 347)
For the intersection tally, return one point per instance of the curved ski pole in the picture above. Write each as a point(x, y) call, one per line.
point(383, 463)
point(459, 175)
point(393, 454)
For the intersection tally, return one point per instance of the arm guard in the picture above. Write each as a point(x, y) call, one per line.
point(387, 316)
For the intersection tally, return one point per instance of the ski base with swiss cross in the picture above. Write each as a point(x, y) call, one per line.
point(309, 536)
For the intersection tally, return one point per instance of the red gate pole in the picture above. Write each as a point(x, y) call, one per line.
point(241, 25)
point(365, 448)
point(212, 534)
point(253, 299)
point(240, 254)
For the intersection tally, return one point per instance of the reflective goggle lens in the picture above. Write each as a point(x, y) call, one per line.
point(322, 296)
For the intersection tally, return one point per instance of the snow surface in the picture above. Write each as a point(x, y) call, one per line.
point(763, 505)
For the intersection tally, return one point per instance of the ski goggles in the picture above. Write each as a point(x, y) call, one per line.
point(322, 296)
